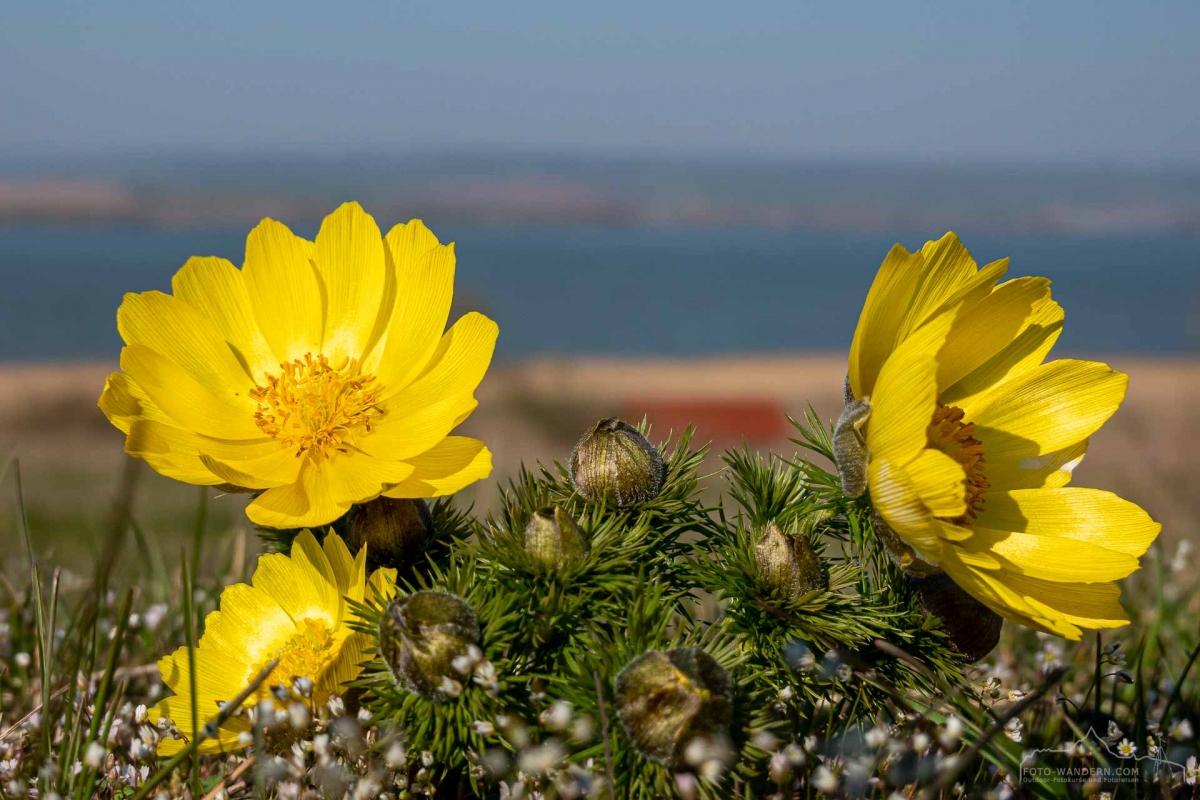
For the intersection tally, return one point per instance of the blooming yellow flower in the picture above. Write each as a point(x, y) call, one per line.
point(971, 437)
point(295, 610)
point(319, 373)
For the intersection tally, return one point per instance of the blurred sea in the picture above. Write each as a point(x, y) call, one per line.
point(625, 290)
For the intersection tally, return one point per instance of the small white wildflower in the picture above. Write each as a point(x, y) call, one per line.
point(245, 739)
point(364, 715)
point(824, 780)
point(1015, 695)
point(450, 687)
point(795, 754)
point(335, 705)
point(780, 768)
point(810, 743)
point(303, 686)
point(483, 728)
point(140, 714)
point(1182, 730)
point(22, 660)
point(1192, 773)
point(94, 755)
point(1114, 730)
point(951, 732)
point(298, 716)
point(395, 756)
point(558, 716)
point(154, 615)
point(920, 742)
point(320, 745)
point(765, 741)
point(1126, 749)
point(876, 737)
point(541, 759)
point(687, 785)
point(1014, 729)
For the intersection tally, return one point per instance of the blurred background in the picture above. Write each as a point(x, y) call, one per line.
point(671, 209)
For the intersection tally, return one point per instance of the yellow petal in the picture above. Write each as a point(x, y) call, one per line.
point(1000, 334)
point(879, 322)
point(124, 402)
point(1051, 558)
point(249, 628)
point(459, 363)
point(1084, 515)
point(1052, 470)
point(214, 287)
point(350, 259)
point(349, 571)
point(184, 400)
point(284, 290)
point(424, 274)
point(175, 330)
point(278, 466)
point(906, 395)
point(452, 464)
point(172, 451)
point(909, 290)
point(893, 496)
point(381, 585)
point(940, 482)
point(297, 585)
point(989, 588)
point(300, 504)
point(1047, 408)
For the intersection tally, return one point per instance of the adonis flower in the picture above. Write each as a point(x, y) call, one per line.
point(295, 610)
point(970, 438)
point(319, 373)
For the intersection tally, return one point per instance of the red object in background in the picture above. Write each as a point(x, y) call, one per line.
point(728, 421)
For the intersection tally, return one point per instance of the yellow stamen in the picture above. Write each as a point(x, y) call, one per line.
point(947, 432)
point(316, 407)
point(302, 656)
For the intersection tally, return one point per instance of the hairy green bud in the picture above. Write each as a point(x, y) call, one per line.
point(615, 464)
point(421, 634)
point(787, 563)
point(552, 538)
point(667, 700)
point(393, 531)
point(850, 447)
point(972, 628)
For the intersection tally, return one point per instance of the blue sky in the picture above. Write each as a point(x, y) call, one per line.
point(1086, 81)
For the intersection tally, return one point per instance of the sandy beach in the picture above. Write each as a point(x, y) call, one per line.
point(71, 459)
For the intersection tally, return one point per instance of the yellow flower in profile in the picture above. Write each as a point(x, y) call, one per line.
point(320, 373)
point(971, 437)
point(295, 609)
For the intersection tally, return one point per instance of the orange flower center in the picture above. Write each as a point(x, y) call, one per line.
point(317, 407)
point(305, 655)
point(947, 432)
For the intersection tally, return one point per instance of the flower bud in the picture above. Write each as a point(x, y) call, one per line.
point(420, 636)
point(552, 538)
point(668, 700)
point(393, 531)
point(971, 628)
point(615, 464)
point(787, 563)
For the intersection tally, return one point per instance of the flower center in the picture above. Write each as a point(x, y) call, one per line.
point(947, 432)
point(304, 655)
point(317, 407)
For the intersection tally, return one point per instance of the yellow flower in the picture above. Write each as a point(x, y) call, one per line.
point(319, 373)
point(295, 610)
point(971, 437)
